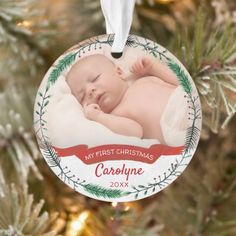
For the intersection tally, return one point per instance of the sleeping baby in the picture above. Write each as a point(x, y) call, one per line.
point(131, 109)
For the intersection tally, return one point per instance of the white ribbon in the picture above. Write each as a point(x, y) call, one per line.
point(118, 16)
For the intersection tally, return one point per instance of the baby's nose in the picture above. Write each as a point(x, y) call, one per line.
point(91, 91)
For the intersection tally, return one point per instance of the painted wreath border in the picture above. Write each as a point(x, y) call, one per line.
point(94, 189)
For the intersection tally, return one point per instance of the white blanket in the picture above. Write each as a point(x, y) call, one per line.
point(174, 121)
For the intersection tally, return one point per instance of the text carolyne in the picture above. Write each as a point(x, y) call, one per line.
point(101, 170)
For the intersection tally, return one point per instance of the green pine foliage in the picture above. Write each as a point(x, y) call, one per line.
point(60, 67)
point(182, 77)
point(25, 34)
point(191, 138)
point(17, 141)
point(20, 215)
point(99, 191)
point(203, 198)
point(209, 54)
point(50, 155)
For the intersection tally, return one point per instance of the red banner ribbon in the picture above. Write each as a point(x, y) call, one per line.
point(118, 152)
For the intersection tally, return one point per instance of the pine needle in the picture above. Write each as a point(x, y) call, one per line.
point(99, 191)
point(210, 56)
point(20, 216)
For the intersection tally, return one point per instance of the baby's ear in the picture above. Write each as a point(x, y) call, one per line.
point(119, 71)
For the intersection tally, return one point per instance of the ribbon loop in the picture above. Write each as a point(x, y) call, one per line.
point(118, 15)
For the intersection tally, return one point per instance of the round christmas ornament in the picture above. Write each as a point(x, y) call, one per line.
point(117, 129)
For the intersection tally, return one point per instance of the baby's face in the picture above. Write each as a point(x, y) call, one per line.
point(95, 79)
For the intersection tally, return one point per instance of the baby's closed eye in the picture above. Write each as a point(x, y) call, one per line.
point(96, 77)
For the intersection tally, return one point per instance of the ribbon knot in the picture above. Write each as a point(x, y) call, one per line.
point(118, 15)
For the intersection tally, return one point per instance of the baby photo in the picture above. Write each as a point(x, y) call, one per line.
point(142, 100)
point(117, 125)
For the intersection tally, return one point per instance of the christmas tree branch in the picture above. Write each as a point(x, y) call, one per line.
point(210, 56)
point(18, 214)
point(206, 205)
point(16, 138)
point(24, 34)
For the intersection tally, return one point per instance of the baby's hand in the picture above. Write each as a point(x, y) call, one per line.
point(92, 111)
point(142, 67)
